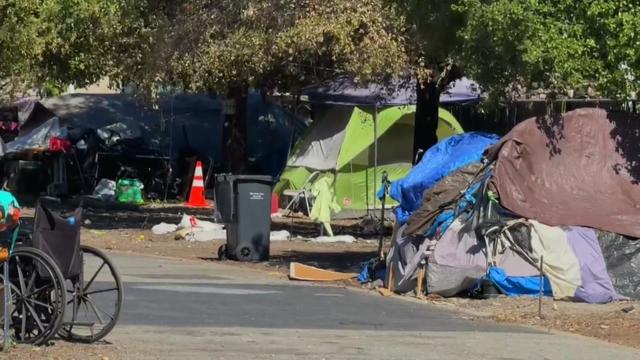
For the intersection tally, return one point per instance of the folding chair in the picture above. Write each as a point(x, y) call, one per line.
point(303, 192)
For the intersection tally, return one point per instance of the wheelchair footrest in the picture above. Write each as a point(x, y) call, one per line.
point(85, 324)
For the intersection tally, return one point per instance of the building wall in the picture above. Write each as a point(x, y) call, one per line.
point(100, 87)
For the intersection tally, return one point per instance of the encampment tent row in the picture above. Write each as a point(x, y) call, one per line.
point(357, 134)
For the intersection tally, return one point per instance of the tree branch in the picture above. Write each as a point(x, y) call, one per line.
point(450, 74)
point(4, 83)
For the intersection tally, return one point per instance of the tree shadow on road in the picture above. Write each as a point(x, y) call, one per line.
point(343, 261)
point(338, 260)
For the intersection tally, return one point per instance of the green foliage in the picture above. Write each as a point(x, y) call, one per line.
point(270, 44)
point(509, 46)
point(54, 43)
point(21, 43)
point(197, 44)
point(81, 34)
point(432, 26)
point(561, 46)
point(514, 46)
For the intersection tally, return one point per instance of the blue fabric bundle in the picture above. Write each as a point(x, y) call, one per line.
point(439, 161)
point(518, 285)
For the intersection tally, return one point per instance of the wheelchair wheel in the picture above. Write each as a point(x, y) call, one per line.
point(95, 299)
point(37, 296)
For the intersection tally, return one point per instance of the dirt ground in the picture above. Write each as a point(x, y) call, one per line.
point(61, 350)
point(130, 232)
point(617, 322)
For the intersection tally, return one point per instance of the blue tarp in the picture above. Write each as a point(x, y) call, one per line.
point(369, 272)
point(518, 285)
point(198, 122)
point(195, 121)
point(439, 161)
point(270, 131)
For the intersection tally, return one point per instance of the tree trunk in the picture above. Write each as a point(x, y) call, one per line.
point(426, 119)
point(235, 132)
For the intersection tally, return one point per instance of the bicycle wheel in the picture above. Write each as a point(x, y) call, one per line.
point(37, 296)
point(96, 298)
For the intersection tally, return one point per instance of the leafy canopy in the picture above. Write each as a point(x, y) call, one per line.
point(56, 42)
point(270, 44)
point(509, 46)
point(558, 45)
point(514, 46)
point(21, 43)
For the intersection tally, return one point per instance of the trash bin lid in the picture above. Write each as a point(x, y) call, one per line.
point(265, 178)
point(258, 178)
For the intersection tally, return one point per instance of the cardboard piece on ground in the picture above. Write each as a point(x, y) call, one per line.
point(299, 271)
point(384, 291)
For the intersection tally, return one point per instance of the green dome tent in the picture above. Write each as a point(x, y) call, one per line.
point(360, 132)
point(341, 142)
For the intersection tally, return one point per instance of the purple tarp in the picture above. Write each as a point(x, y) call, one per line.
point(596, 284)
point(344, 91)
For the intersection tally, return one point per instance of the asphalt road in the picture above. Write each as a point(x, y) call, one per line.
point(195, 310)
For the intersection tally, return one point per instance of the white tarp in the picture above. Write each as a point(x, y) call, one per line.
point(119, 131)
point(37, 138)
point(560, 263)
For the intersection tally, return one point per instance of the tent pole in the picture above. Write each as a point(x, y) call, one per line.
point(375, 153)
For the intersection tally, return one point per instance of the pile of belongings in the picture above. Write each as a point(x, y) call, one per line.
point(37, 129)
point(553, 206)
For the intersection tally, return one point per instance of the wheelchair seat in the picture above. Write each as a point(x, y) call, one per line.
point(59, 237)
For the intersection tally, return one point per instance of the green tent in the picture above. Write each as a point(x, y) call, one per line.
point(341, 142)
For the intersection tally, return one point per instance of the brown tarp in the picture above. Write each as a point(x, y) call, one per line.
point(582, 168)
point(32, 114)
point(441, 197)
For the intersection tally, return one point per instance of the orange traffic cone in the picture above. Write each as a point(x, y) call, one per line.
point(196, 195)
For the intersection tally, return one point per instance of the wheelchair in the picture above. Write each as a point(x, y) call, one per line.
point(57, 286)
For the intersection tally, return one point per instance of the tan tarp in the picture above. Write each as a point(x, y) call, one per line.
point(559, 265)
point(578, 169)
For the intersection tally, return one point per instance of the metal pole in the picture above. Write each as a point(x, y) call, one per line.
point(541, 289)
point(375, 152)
point(6, 343)
point(292, 126)
point(381, 238)
point(170, 169)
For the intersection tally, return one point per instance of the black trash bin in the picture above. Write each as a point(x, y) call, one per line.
point(244, 204)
